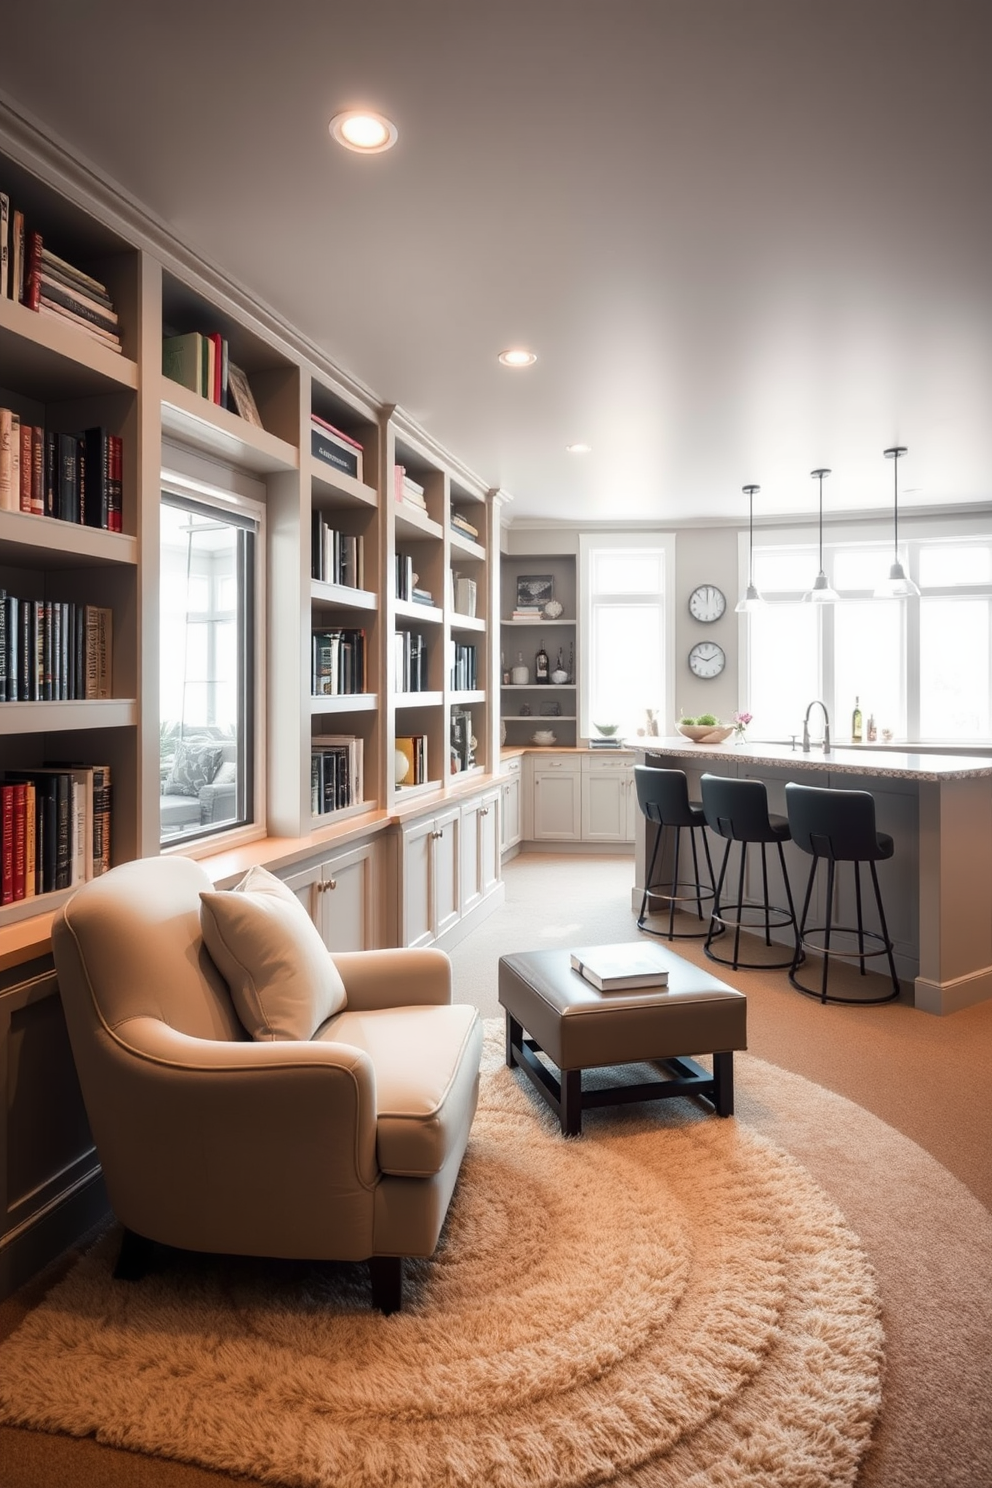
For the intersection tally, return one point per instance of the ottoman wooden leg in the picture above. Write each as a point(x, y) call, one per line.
point(571, 1103)
point(514, 1038)
point(723, 1083)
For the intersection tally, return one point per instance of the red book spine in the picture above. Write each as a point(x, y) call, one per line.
point(32, 277)
point(218, 343)
point(115, 487)
point(20, 829)
point(27, 468)
point(6, 844)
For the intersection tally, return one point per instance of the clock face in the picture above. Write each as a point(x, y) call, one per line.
point(706, 659)
point(706, 603)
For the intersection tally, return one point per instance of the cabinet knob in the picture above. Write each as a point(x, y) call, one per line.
point(483, 810)
point(438, 832)
point(331, 883)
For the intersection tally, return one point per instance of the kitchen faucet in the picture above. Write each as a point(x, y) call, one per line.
point(816, 703)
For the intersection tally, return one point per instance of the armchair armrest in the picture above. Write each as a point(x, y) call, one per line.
point(395, 977)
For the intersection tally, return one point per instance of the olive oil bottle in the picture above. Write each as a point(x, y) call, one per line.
point(856, 723)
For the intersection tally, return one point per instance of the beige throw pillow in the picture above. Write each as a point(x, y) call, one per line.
point(283, 983)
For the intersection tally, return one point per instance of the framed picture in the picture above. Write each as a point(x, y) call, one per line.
point(240, 396)
point(534, 590)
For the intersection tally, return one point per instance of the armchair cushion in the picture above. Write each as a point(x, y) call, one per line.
point(194, 766)
point(283, 982)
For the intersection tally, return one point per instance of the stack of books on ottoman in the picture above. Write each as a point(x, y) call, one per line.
point(622, 968)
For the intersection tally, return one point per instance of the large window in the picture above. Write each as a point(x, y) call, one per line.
point(921, 669)
point(207, 665)
point(624, 642)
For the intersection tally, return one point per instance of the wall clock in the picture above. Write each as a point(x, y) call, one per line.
point(706, 603)
point(706, 659)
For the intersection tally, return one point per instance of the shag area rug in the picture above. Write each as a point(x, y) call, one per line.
point(668, 1300)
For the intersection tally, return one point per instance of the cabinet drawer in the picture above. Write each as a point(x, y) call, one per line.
point(604, 761)
point(551, 761)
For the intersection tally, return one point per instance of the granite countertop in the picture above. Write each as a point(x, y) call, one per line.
point(886, 763)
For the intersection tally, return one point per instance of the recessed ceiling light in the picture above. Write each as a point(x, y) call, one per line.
point(518, 357)
point(364, 131)
point(578, 449)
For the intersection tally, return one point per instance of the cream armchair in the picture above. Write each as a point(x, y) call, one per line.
point(331, 1127)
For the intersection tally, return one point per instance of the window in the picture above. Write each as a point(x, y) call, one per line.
point(207, 675)
point(921, 668)
point(625, 637)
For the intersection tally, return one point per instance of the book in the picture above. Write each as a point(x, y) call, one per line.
point(465, 595)
point(98, 625)
point(182, 360)
point(4, 243)
point(25, 467)
point(32, 276)
point(240, 398)
point(96, 445)
point(621, 968)
point(60, 312)
point(335, 449)
point(9, 495)
point(74, 275)
point(115, 485)
point(18, 248)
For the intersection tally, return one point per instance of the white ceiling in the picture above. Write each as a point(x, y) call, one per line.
point(746, 237)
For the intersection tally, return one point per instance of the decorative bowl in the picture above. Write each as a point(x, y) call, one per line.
point(706, 733)
point(544, 736)
point(606, 729)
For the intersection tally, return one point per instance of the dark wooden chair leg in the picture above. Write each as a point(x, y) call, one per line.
point(387, 1283)
point(134, 1257)
point(514, 1035)
point(723, 1083)
point(571, 1103)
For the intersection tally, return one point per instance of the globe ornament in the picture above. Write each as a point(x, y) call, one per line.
point(552, 609)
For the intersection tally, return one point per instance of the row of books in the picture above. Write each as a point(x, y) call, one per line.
point(36, 277)
point(335, 448)
point(74, 477)
point(201, 361)
point(336, 773)
point(338, 662)
point(461, 524)
point(413, 748)
point(336, 557)
point(53, 651)
point(408, 586)
point(411, 661)
point(464, 593)
point(464, 670)
point(54, 829)
point(407, 491)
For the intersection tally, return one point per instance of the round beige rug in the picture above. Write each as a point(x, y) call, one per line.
point(668, 1300)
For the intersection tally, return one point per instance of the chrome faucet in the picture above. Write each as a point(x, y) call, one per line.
point(826, 726)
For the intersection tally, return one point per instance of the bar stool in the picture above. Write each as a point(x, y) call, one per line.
point(839, 825)
point(738, 811)
point(663, 796)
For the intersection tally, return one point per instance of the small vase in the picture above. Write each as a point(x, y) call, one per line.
point(740, 737)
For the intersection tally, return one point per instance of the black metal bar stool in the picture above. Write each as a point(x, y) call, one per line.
point(738, 811)
point(839, 825)
point(663, 796)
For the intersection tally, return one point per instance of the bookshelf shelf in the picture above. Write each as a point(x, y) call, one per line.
point(344, 702)
point(407, 609)
point(328, 486)
point(335, 596)
point(39, 718)
point(474, 623)
point(466, 547)
point(55, 362)
point(413, 523)
point(224, 435)
point(418, 699)
point(26, 539)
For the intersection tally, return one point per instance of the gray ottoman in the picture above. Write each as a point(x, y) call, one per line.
point(579, 1028)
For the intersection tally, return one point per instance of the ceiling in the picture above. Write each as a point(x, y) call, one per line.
point(745, 237)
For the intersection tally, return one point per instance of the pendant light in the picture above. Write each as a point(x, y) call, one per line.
point(821, 592)
point(751, 599)
point(896, 586)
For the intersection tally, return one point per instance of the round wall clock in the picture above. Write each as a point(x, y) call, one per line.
point(706, 659)
point(706, 603)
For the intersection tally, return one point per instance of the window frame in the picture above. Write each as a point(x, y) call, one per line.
point(242, 500)
point(617, 539)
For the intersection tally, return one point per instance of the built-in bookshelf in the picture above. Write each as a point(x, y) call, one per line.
point(538, 614)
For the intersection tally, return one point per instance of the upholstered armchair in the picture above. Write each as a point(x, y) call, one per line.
point(259, 1097)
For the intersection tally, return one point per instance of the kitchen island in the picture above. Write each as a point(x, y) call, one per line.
point(937, 887)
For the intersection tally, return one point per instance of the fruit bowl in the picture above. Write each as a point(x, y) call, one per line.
point(706, 733)
point(606, 729)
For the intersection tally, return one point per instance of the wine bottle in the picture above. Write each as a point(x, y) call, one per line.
point(856, 723)
point(542, 666)
point(872, 730)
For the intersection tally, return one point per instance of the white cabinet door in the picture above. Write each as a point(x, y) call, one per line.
point(511, 830)
point(489, 842)
point(470, 854)
point(339, 896)
point(603, 815)
point(631, 809)
point(445, 862)
point(557, 815)
point(418, 852)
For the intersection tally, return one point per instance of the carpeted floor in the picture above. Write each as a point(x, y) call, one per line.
point(927, 1237)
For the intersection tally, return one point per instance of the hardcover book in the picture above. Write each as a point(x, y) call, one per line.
point(622, 968)
point(332, 449)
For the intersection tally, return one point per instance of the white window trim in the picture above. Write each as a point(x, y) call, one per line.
point(192, 476)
